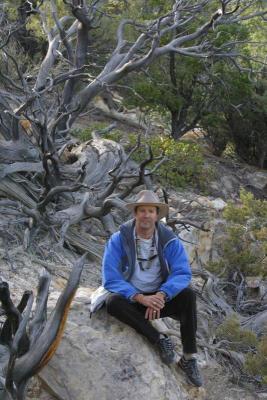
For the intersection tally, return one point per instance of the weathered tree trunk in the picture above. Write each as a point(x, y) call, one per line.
point(178, 123)
point(28, 355)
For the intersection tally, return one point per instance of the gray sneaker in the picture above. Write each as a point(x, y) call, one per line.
point(166, 349)
point(191, 370)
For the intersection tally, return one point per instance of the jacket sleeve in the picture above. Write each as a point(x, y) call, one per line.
point(180, 271)
point(112, 278)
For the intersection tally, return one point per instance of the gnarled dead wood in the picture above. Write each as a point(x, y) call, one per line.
point(85, 242)
point(214, 296)
point(12, 151)
point(19, 167)
point(15, 191)
point(24, 358)
point(127, 118)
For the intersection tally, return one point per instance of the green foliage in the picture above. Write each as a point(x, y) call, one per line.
point(9, 68)
point(12, 9)
point(238, 113)
point(85, 134)
point(230, 151)
point(245, 245)
point(238, 339)
point(231, 32)
point(191, 88)
point(184, 164)
point(114, 7)
point(248, 208)
point(256, 364)
point(115, 135)
point(179, 94)
point(215, 124)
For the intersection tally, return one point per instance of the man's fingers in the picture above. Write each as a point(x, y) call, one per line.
point(159, 297)
point(151, 314)
point(157, 303)
point(156, 307)
point(154, 314)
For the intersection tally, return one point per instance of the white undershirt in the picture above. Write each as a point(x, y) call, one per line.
point(147, 274)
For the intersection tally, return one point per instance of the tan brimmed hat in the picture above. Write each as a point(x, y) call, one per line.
point(149, 198)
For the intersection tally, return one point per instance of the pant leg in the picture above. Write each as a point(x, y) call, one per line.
point(132, 314)
point(183, 307)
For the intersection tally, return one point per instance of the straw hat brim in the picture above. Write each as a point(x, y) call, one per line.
point(163, 208)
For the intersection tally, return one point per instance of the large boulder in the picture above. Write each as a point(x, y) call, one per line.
point(202, 246)
point(258, 179)
point(101, 358)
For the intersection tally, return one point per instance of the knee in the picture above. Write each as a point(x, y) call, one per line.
point(189, 295)
point(113, 302)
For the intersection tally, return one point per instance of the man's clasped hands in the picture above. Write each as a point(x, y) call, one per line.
point(154, 303)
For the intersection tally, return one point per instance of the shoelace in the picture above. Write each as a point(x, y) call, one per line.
point(190, 365)
point(166, 344)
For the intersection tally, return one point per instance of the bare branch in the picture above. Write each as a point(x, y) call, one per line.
point(55, 191)
point(62, 32)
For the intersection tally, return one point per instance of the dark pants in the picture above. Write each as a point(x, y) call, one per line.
point(181, 307)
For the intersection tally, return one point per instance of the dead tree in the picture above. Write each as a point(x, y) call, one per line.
point(54, 192)
point(28, 343)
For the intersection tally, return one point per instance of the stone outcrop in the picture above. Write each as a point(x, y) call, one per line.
point(100, 358)
point(227, 177)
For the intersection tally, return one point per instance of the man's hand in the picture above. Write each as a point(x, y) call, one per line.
point(152, 314)
point(153, 302)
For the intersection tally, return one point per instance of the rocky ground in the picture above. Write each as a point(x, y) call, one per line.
point(100, 358)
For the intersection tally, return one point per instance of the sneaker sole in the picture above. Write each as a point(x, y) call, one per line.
point(187, 377)
point(166, 362)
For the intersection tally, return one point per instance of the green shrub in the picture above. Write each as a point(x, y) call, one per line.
point(249, 207)
point(230, 152)
point(85, 134)
point(238, 339)
point(256, 364)
point(245, 245)
point(114, 135)
point(184, 165)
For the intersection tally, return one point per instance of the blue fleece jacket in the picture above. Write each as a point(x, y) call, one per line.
point(120, 258)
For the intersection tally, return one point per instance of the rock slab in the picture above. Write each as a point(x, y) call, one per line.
point(100, 358)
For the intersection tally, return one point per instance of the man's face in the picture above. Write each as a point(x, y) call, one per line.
point(146, 216)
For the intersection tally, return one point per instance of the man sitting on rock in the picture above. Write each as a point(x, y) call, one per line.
point(146, 269)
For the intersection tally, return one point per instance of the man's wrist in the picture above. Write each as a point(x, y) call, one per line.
point(138, 297)
point(163, 294)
